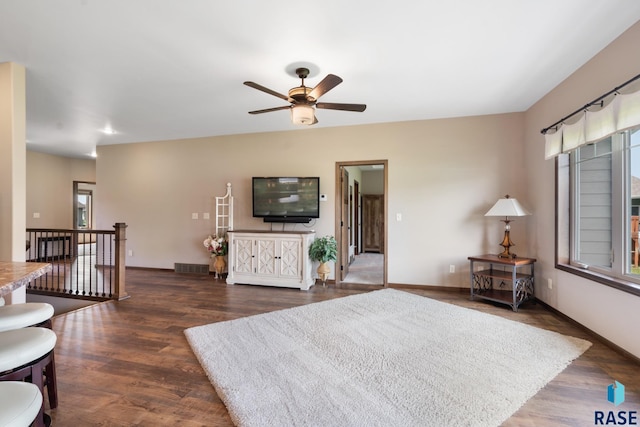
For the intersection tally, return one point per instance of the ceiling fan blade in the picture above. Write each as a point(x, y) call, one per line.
point(268, 110)
point(267, 90)
point(344, 107)
point(324, 86)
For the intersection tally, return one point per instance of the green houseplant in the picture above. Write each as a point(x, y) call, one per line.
point(323, 250)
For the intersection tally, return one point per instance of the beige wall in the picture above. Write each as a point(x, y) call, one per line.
point(12, 163)
point(12, 168)
point(609, 312)
point(443, 176)
point(50, 188)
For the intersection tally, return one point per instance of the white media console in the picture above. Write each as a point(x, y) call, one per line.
point(270, 258)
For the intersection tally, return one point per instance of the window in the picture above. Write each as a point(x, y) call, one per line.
point(84, 205)
point(598, 226)
point(592, 168)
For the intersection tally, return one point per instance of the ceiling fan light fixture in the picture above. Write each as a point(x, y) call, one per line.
point(302, 114)
point(303, 100)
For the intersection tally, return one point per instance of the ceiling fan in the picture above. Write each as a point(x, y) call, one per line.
point(303, 99)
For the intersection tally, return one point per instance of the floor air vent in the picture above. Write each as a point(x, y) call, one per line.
point(191, 268)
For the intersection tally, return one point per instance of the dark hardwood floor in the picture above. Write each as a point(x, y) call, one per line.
point(128, 363)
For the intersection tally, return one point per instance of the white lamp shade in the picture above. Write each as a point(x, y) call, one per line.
point(507, 207)
point(302, 114)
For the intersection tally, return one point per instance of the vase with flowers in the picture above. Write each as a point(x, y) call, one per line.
point(218, 246)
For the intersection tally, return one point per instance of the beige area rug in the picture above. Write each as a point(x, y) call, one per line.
point(384, 358)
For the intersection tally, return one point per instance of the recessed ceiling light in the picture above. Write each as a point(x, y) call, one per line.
point(108, 131)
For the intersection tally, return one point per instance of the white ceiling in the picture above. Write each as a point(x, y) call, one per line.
point(166, 69)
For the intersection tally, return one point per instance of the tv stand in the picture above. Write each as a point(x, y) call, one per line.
point(270, 258)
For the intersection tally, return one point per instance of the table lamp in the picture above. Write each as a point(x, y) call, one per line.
point(507, 207)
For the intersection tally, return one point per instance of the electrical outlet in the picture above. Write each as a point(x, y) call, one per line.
point(194, 215)
point(452, 268)
point(550, 283)
point(205, 215)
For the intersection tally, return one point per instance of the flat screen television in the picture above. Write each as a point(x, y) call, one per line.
point(286, 199)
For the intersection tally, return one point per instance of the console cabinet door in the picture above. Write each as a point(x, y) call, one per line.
point(243, 255)
point(266, 257)
point(290, 258)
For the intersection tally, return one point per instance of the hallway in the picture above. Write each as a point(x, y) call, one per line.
point(366, 269)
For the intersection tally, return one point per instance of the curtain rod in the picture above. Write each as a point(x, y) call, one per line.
point(594, 102)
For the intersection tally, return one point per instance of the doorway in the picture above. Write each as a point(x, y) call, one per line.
point(83, 215)
point(361, 230)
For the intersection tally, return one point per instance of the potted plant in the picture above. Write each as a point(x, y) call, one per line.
point(323, 250)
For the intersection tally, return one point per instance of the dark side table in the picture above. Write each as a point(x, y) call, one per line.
point(503, 280)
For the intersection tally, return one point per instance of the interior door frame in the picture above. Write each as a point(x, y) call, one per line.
point(344, 238)
point(356, 216)
point(338, 209)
